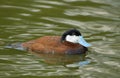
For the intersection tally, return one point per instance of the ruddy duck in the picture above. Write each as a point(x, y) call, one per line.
point(71, 42)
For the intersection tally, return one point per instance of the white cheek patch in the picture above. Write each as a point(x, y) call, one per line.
point(73, 38)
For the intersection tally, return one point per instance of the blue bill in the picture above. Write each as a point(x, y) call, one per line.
point(83, 42)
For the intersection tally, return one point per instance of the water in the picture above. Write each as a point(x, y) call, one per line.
point(23, 20)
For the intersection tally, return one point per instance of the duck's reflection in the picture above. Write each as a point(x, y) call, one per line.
point(60, 59)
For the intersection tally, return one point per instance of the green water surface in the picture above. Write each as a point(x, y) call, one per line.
point(24, 20)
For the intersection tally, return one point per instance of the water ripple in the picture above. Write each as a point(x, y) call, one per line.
point(42, 6)
point(20, 7)
point(94, 12)
point(51, 2)
point(64, 21)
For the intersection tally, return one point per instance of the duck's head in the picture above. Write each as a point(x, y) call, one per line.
point(74, 36)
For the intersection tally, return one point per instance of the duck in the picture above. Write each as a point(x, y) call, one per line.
point(70, 42)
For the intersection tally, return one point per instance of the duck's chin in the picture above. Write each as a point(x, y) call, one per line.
point(73, 42)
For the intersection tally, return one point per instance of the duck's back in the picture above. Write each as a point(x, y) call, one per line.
point(53, 44)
